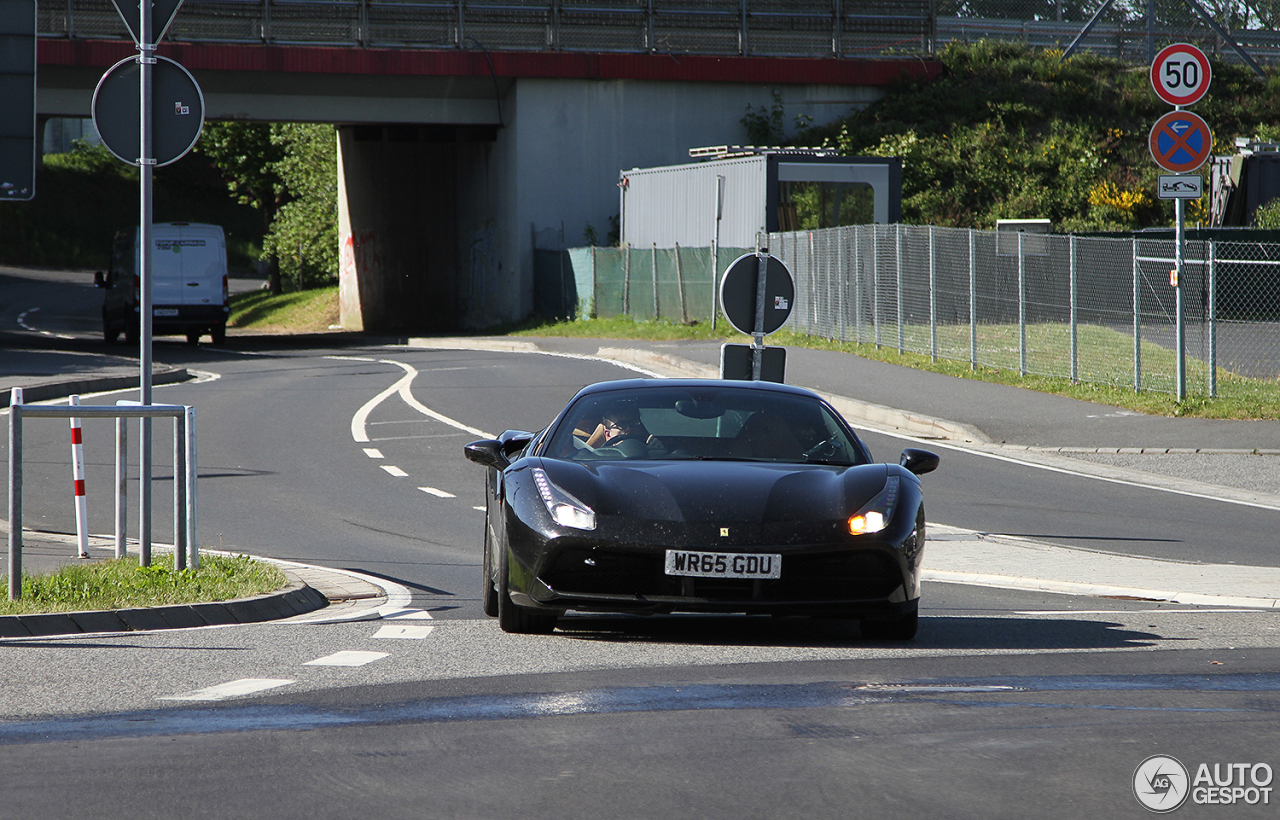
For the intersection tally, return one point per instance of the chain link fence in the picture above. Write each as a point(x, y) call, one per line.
point(1090, 309)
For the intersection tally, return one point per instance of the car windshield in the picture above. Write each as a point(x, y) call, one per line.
point(713, 423)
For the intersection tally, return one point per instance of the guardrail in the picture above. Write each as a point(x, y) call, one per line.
point(186, 545)
point(796, 28)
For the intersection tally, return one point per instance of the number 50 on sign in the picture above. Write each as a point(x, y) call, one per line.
point(1180, 74)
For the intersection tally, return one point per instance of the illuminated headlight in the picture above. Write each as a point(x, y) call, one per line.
point(565, 510)
point(877, 512)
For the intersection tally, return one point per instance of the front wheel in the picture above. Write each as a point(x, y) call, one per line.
point(489, 595)
point(520, 620)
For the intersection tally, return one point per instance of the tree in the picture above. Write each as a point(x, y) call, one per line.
point(303, 238)
point(245, 155)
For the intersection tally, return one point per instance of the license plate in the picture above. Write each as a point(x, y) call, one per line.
point(164, 312)
point(723, 564)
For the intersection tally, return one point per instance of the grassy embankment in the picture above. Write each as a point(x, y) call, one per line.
point(121, 584)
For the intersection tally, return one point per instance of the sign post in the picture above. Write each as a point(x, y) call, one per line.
point(116, 102)
point(757, 293)
point(1180, 142)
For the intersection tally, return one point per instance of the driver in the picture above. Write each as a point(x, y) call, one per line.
point(622, 429)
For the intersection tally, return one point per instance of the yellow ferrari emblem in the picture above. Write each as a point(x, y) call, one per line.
point(724, 532)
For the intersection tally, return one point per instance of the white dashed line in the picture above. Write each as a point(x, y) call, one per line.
point(479, 509)
point(236, 688)
point(394, 470)
point(437, 493)
point(413, 633)
point(373, 452)
point(348, 659)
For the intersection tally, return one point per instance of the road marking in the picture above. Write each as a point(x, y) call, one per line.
point(361, 419)
point(479, 509)
point(408, 614)
point(413, 633)
point(437, 493)
point(1205, 611)
point(348, 658)
point(373, 452)
point(236, 688)
point(394, 470)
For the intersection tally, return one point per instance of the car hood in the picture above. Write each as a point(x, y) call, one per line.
point(696, 492)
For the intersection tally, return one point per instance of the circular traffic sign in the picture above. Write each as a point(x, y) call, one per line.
point(177, 111)
point(1180, 74)
point(1180, 142)
point(738, 293)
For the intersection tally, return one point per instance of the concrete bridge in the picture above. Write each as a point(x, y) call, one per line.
point(471, 133)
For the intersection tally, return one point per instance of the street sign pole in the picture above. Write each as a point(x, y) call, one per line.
point(146, 163)
point(757, 337)
point(1178, 263)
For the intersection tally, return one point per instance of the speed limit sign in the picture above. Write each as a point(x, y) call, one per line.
point(1180, 74)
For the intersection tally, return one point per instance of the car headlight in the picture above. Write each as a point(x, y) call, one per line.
point(565, 510)
point(875, 514)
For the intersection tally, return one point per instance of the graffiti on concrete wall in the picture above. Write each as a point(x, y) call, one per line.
point(358, 289)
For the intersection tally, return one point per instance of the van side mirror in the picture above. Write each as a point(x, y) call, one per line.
point(99, 279)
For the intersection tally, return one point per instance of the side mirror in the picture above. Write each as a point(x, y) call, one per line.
point(99, 279)
point(487, 453)
point(919, 462)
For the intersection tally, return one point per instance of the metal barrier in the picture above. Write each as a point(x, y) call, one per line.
point(797, 28)
point(1089, 309)
point(186, 545)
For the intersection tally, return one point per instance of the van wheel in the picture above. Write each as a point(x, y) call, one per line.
point(131, 333)
point(109, 333)
point(219, 334)
point(193, 337)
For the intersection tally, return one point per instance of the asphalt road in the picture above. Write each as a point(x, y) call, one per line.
point(1008, 704)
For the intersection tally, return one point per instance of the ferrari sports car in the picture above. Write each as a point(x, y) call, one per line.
point(655, 496)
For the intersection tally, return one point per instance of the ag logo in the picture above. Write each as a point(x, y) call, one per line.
point(1161, 783)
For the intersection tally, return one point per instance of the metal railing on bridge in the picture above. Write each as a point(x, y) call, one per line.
point(799, 28)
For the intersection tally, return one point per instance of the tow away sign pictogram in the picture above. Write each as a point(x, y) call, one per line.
point(1180, 142)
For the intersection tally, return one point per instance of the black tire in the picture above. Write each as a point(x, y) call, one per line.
point(218, 335)
point(516, 619)
point(131, 333)
point(489, 594)
point(193, 337)
point(109, 334)
point(902, 628)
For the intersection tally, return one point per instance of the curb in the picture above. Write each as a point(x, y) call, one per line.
point(100, 384)
point(296, 599)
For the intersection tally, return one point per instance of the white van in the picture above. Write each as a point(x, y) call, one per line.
point(188, 283)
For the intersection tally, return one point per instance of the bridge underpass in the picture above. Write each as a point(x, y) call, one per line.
point(453, 163)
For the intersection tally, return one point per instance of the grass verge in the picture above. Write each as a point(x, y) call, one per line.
point(1103, 358)
point(120, 583)
point(304, 311)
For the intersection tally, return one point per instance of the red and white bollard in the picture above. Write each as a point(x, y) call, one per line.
point(77, 471)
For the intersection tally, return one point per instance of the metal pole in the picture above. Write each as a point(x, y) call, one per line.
point(1179, 321)
point(1137, 319)
point(193, 544)
point(179, 493)
point(1213, 318)
point(1022, 305)
point(146, 164)
point(973, 301)
point(757, 337)
point(684, 313)
point(653, 261)
point(122, 486)
point(15, 494)
point(715, 252)
point(1075, 358)
point(933, 301)
point(898, 284)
